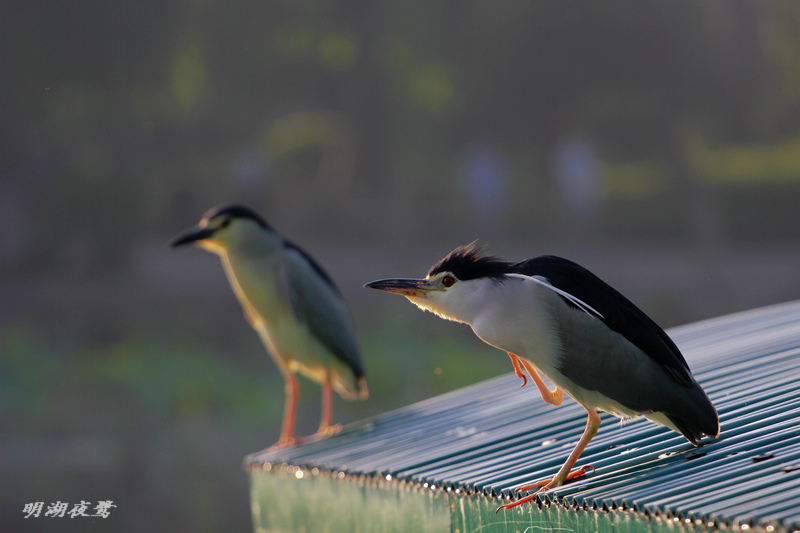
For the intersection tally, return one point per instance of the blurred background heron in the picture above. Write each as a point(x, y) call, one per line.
point(292, 303)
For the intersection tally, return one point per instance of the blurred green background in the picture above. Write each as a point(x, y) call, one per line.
point(656, 143)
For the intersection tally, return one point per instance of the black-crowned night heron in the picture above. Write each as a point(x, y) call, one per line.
point(292, 303)
point(555, 317)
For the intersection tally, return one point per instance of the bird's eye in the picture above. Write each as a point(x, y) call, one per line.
point(225, 223)
point(448, 281)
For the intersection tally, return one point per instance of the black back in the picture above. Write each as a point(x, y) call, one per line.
point(618, 313)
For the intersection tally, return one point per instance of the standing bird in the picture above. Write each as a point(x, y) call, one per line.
point(291, 302)
point(555, 317)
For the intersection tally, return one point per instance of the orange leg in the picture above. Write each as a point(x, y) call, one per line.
point(326, 429)
point(517, 369)
point(289, 413)
point(553, 397)
point(592, 425)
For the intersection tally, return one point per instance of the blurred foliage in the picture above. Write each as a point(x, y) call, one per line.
point(175, 378)
point(748, 163)
point(140, 109)
point(164, 376)
point(633, 179)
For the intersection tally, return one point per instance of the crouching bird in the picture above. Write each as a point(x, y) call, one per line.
point(292, 303)
point(555, 317)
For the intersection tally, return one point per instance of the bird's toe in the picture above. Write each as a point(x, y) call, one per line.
point(287, 442)
point(328, 431)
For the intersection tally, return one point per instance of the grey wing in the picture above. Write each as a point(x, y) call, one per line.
point(616, 311)
point(317, 302)
point(599, 359)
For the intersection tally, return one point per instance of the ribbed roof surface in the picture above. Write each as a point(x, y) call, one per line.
point(493, 436)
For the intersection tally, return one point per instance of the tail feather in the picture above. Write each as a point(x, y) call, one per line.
point(696, 416)
point(363, 391)
point(350, 389)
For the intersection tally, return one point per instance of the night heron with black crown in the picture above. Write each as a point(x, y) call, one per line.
point(556, 318)
point(292, 303)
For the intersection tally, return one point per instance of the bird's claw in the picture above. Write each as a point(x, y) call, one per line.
point(517, 370)
point(543, 486)
point(287, 442)
point(521, 501)
point(328, 431)
point(551, 483)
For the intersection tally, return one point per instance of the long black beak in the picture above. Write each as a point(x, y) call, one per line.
point(191, 236)
point(405, 287)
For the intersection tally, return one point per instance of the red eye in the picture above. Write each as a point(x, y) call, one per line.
point(448, 281)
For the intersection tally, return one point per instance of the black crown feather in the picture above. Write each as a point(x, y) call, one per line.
point(471, 262)
point(236, 211)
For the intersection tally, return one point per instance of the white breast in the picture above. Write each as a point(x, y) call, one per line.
point(513, 316)
point(261, 288)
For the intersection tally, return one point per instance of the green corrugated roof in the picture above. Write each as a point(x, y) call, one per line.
point(476, 444)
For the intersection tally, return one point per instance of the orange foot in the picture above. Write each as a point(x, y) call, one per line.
point(542, 486)
point(517, 369)
point(283, 443)
point(327, 431)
